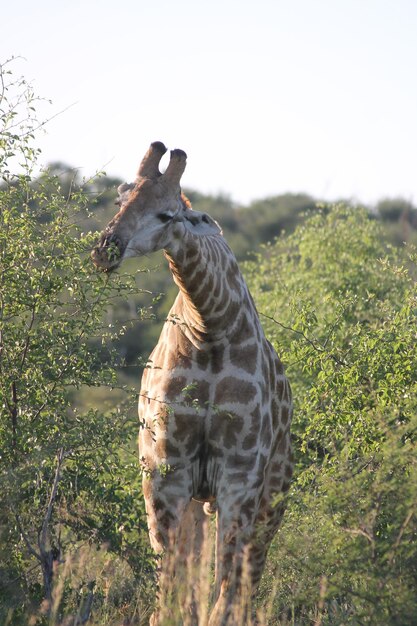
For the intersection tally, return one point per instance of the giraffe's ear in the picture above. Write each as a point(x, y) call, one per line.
point(176, 167)
point(125, 187)
point(123, 191)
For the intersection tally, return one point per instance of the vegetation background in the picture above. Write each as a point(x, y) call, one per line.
point(335, 287)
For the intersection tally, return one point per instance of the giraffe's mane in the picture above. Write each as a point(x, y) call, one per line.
point(186, 201)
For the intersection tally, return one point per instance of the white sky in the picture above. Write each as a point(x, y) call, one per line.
point(265, 96)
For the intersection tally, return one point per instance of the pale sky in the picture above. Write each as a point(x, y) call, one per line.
point(265, 96)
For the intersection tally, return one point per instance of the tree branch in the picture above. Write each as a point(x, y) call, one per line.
point(401, 532)
point(314, 344)
point(13, 412)
point(43, 536)
point(29, 546)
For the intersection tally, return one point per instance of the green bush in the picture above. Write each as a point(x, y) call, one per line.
point(68, 476)
point(340, 307)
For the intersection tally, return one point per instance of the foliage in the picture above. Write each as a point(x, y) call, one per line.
point(400, 219)
point(338, 302)
point(347, 552)
point(68, 476)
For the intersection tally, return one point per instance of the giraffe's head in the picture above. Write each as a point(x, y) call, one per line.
point(151, 209)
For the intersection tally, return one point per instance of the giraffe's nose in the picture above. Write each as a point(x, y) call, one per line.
point(108, 253)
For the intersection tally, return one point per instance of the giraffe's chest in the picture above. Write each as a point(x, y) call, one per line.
point(184, 379)
point(212, 415)
point(199, 404)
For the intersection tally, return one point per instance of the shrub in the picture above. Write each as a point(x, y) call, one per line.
point(68, 475)
point(340, 306)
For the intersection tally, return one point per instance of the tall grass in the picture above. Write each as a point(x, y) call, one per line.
point(96, 588)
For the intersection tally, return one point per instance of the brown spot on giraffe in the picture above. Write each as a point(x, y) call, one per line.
point(242, 330)
point(217, 358)
point(266, 434)
point(245, 357)
point(174, 387)
point(227, 428)
point(232, 390)
point(232, 277)
point(215, 403)
point(285, 415)
point(249, 441)
point(202, 359)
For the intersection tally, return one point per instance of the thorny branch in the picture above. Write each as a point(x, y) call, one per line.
point(314, 344)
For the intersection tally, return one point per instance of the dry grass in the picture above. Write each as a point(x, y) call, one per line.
point(94, 587)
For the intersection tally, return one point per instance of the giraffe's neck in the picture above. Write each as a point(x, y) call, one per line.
point(213, 294)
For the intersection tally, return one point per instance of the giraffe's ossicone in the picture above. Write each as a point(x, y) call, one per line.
point(215, 403)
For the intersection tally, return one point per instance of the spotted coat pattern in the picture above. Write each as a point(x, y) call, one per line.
point(215, 408)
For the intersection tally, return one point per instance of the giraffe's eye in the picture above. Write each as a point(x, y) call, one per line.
point(164, 217)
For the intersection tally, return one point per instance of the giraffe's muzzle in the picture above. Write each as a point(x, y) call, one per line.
point(108, 254)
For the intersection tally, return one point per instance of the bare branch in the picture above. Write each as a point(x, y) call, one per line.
point(297, 332)
point(29, 546)
point(43, 538)
point(314, 344)
point(402, 530)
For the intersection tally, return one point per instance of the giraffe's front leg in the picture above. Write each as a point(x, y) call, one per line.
point(234, 585)
point(246, 524)
point(176, 530)
point(194, 556)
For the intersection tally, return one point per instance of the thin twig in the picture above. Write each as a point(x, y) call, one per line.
point(29, 546)
point(404, 525)
point(52, 497)
point(312, 343)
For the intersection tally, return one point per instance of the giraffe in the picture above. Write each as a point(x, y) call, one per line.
point(215, 403)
